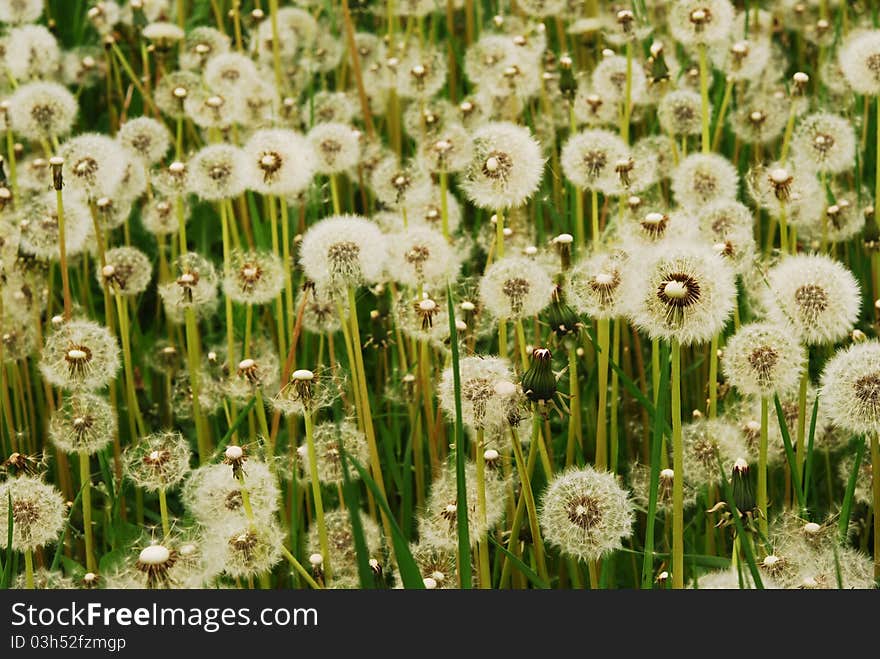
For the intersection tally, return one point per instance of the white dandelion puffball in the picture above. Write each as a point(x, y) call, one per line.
point(506, 167)
point(515, 287)
point(762, 359)
point(850, 388)
point(816, 295)
point(860, 61)
point(585, 513)
point(343, 251)
point(683, 293)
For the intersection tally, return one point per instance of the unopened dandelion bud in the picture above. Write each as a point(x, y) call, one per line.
point(743, 493)
point(539, 381)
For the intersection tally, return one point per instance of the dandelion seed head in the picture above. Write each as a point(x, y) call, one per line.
point(762, 359)
point(42, 110)
point(343, 251)
point(80, 356)
point(38, 513)
point(685, 293)
point(84, 423)
point(515, 287)
point(585, 513)
point(506, 166)
point(704, 178)
point(814, 294)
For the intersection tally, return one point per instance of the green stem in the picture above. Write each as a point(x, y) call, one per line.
point(163, 511)
point(62, 250)
point(482, 542)
point(529, 496)
point(28, 570)
point(678, 472)
point(603, 333)
point(316, 493)
point(594, 218)
point(85, 479)
point(713, 377)
point(704, 98)
point(762, 466)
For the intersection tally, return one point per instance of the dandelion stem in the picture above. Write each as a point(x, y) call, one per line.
point(316, 492)
point(163, 512)
point(529, 497)
point(28, 570)
point(193, 359)
point(85, 479)
point(722, 112)
point(762, 466)
point(594, 209)
point(603, 332)
point(704, 98)
point(299, 568)
point(713, 377)
point(360, 376)
point(678, 471)
point(62, 249)
point(482, 542)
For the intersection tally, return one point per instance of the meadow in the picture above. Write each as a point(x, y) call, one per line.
point(423, 294)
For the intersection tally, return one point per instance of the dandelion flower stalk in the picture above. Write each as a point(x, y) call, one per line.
point(56, 163)
point(678, 470)
point(316, 492)
point(482, 541)
point(85, 479)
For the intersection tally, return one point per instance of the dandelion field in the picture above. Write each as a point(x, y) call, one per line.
point(542, 294)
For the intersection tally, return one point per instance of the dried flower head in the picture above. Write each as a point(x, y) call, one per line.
point(589, 159)
point(594, 285)
point(684, 293)
point(824, 142)
point(217, 172)
point(94, 164)
point(702, 178)
point(214, 495)
point(253, 277)
point(38, 513)
point(330, 440)
point(860, 61)
point(343, 251)
point(850, 389)
point(127, 271)
point(158, 461)
point(84, 423)
point(279, 162)
point(506, 166)
point(421, 256)
point(42, 110)
point(483, 384)
point(762, 359)
point(438, 523)
point(337, 147)
point(146, 137)
point(80, 355)
point(815, 294)
point(585, 513)
point(195, 287)
point(515, 287)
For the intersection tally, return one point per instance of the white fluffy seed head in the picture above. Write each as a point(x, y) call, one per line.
point(814, 294)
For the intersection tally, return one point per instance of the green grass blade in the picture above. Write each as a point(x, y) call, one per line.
point(464, 545)
point(789, 452)
point(352, 502)
point(530, 574)
point(846, 509)
point(409, 571)
point(808, 465)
